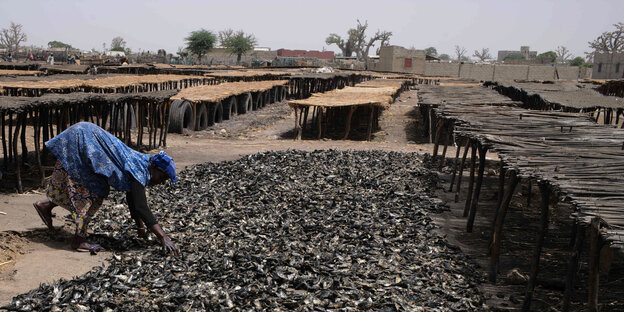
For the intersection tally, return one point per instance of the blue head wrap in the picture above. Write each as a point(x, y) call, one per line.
point(164, 163)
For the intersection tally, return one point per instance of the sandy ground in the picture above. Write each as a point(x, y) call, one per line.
point(37, 256)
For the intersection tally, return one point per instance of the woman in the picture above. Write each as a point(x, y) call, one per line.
point(89, 162)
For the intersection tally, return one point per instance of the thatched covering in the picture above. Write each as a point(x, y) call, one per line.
point(374, 92)
point(571, 95)
point(109, 82)
point(23, 103)
point(251, 73)
point(182, 66)
point(613, 87)
point(16, 72)
point(215, 93)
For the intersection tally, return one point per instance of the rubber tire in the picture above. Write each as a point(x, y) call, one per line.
point(181, 117)
point(201, 120)
point(230, 108)
point(215, 113)
point(133, 122)
point(258, 99)
point(267, 97)
point(244, 103)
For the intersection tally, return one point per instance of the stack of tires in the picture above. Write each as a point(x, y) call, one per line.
point(183, 116)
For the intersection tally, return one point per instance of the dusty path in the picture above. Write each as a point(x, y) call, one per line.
point(40, 258)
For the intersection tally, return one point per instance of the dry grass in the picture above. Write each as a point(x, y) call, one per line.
point(250, 73)
point(215, 93)
point(109, 82)
point(373, 92)
point(15, 72)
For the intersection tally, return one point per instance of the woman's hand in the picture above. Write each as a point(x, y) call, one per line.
point(168, 246)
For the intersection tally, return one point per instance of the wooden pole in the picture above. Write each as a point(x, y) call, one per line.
point(446, 143)
point(350, 111)
point(477, 191)
point(501, 183)
point(545, 194)
point(370, 122)
point(594, 265)
point(498, 226)
point(297, 124)
point(4, 142)
point(529, 194)
point(437, 140)
point(455, 165)
point(573, 266)
point(17, 161)
point(461, 169)
point(473, 164)
point(319, 116)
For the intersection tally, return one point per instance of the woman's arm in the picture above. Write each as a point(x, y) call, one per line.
point(140, 209)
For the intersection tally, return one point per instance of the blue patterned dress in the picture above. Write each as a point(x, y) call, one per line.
point(89, 162)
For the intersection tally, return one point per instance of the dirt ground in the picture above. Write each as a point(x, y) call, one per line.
point(33, 256)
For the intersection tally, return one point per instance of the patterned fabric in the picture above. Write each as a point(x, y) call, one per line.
point(96, 159)
point(69, 194)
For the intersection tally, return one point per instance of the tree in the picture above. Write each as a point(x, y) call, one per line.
point(224, 34)
point(460, 52)
point(182, 52)
point(483, 55)
point(431, 51)
point(59, 44)
point(357, 41)
point(118, 44)
point(199, 42)
point(609, 42)
point(563, 54)
point(444, 57)
point(547, 57)
point(12, 37)
point(237, 43)
point(362, 45)
point(514, 56)
point(577, 61)
point(346, 47)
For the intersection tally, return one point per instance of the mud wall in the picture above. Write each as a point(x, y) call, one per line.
point(505, 72)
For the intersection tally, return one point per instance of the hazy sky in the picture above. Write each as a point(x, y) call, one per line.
point(156, 24)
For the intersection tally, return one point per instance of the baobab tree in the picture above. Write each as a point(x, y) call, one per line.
point(483, 55)
point(460, 52)
point(12, 37)
point(563, 54)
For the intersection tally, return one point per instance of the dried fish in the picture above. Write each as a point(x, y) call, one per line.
point(289, 230)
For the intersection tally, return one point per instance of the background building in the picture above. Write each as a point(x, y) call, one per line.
point(608, 66)
point(399, 59)
point(524, 51)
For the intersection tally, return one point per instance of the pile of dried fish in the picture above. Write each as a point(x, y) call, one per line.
point(280, 231)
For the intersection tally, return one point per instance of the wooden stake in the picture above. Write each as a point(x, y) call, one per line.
point(594, 265)
point(461, 170)
point(573, 266)
point(473, 164)
point(348, 122)
point(501, 183)
point(370, 122)
point(437, 140)
point(455, 165)
point(545, 193)
point(498, 226)
point(477, 191)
